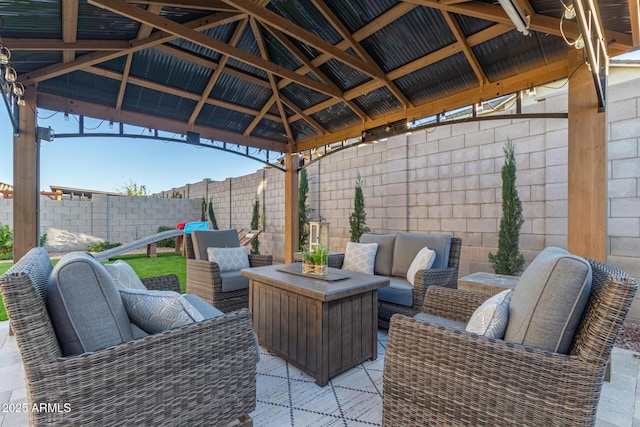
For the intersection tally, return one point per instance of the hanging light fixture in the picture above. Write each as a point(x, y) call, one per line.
point(13, 90)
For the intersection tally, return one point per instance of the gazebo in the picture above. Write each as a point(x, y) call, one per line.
point(291, 77)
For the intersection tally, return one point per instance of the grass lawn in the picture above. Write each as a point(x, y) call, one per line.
point(166, 263)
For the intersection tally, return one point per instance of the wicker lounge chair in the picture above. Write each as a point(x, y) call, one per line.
point(205, 279)
point(200, 374)
point(435, 375)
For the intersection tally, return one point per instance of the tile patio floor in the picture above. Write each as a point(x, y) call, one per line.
point(619, 403)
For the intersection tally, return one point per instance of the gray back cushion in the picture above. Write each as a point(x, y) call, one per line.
point(409, 244)
point(548, 302)
point(384, 256)
point(203, 239)
point(85, 306)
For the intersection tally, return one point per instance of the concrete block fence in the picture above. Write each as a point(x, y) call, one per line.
point(445, 180)
point(448, 179)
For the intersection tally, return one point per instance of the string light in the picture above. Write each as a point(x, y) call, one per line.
point(13, 90)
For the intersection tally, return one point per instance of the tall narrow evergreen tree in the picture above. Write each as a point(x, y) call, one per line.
point(203, 210)
point(358, 218)
point(212, 216)
point(255, 224)
point(508, 260)
point(303, 210)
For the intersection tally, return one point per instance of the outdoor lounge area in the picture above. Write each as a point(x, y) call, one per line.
point(411, 130)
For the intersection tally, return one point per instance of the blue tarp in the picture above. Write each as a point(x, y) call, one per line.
point(198, 225)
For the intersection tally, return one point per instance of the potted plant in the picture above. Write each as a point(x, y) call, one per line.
point(320, 258)
point(308, 265)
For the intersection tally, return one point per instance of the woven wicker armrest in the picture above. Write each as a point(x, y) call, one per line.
point(444, 277)
point(200, 374)
point(204, 280)
point(438, 376)
point(451, 304)
point(256, 260)
point(169, 282)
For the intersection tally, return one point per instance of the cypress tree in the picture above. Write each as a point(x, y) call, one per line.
point(255, 224)
point(358, 218)
point(508, 260)
point(303, 210)
point(212, 216)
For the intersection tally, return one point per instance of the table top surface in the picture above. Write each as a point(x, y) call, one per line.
point(312, 286)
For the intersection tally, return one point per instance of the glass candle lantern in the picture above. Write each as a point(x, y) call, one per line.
point(317, 258)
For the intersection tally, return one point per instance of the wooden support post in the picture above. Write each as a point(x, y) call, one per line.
point(290, 204)
point(25, 191)
point(587, 176)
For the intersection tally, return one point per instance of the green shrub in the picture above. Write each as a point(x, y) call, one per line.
point(166, 243)
point(6, 242)
point(102, 246)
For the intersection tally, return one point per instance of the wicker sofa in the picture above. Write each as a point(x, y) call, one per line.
point(394, 255)
point(203, 373)
point(205, 278)
point(438, 374)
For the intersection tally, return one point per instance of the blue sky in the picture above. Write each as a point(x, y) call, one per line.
point(107, 164)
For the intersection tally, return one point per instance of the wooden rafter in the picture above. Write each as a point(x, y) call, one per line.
point(209, 63)
point(184, 32)
point(257, 34)
point(217, 73)
point(143, 33)
point(263, 112)
point(177, 92)
point(155, 39)
point(536, 77)
point(212, 5)
point(621, 42)
point(69, 27)
point(302, 58)
point(58, 103)
point(315, 70)
point(466, 49)
point(439, 55)
point(334, 21)
point(276, 21)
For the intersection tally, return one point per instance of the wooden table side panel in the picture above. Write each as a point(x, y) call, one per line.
point(350, 341)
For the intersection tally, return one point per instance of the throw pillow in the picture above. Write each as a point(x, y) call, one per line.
point(491, 318)
point(424, 259)
point(157, 311)
point(124, 275)
point(229, 259)
point(360, 257)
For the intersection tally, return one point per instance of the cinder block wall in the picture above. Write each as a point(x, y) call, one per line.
point(75, 224)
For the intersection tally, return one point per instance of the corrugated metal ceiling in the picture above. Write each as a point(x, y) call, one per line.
point(412, 57)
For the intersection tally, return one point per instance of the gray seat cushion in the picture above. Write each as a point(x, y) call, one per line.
point(409, 244)
point(203, 239)
point(425, 317)
point(206, 310)
point(233, 281)
point(384, 256)
point(399, 292)
point(548, 302)
point(209, 312)
point(85, 306)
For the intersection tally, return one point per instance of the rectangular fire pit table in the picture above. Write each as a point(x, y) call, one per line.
point(323, 326)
